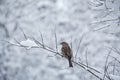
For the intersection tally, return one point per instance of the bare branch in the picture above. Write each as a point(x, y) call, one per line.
point(87, 70)
point(90, 67)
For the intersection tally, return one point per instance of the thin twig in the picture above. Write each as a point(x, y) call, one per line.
point(102, 28)
point(41, 45)
point(18, 45)
point(5, 29)
point(42, 39)
point(107, 74)
point(79, 46)
point(104, 21)
point(37, 42)
point(115, 50)
point(23, 33)
point(55, 39)
point(115, 59)
point(86, 57)
point(105, 68)
point(114, 66)
point(105, 3)
point(71, 46)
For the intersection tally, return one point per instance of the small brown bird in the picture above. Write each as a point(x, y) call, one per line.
point(66, 52)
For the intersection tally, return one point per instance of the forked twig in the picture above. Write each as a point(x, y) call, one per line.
point(42, 45)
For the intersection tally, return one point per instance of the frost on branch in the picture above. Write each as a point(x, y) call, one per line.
point(28, 43)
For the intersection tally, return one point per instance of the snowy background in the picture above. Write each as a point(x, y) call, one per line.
point(98, 21)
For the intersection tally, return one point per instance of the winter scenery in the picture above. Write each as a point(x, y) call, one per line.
point(59, 39)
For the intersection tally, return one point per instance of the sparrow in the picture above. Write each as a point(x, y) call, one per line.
point(66, 52)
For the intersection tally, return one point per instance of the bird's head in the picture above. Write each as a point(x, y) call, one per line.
point(64, 43)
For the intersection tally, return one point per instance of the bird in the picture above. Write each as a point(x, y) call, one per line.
point(66, 52)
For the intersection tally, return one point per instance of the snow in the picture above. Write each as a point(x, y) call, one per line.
point(29, 43)
point(72, 19)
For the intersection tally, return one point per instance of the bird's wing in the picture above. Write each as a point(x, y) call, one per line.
point(69, 52)
point(66, 51)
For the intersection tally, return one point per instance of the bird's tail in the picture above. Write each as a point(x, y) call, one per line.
point(70, 63)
